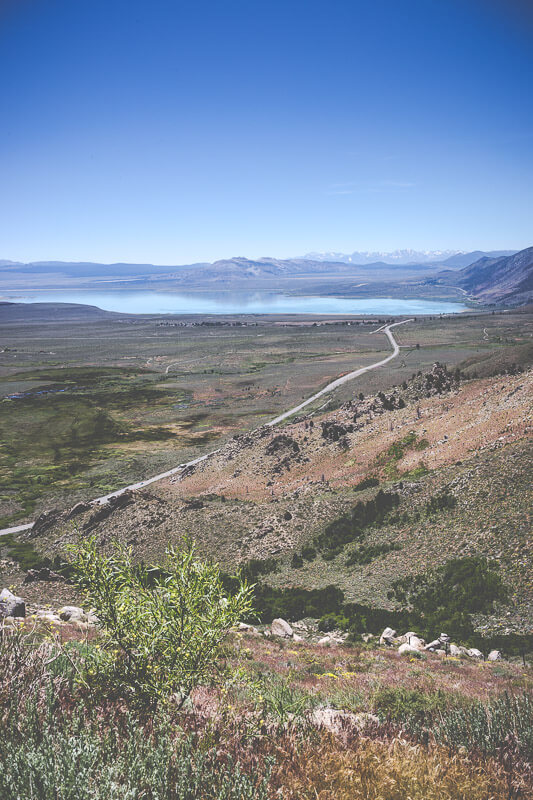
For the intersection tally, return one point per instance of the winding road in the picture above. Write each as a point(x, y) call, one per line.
point(329, 388)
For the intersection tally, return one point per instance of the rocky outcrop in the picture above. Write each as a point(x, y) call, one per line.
point(43, 574)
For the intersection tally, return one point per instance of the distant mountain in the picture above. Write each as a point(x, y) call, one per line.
point(465, 259)
point(452, 258)
point(507, 280)
point(396, 257)
point(236, 272)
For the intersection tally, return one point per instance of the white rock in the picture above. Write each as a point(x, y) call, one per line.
point(325, 641)
point(297, 638)
point(387, 636)
point(494, 655)
point(475, 653)
point(11, 605)
point(415, 641)
point(367, 637)
point(282, 628)
point(407, 648)
point(340, 722)
point(49, 617)
point(455, 651)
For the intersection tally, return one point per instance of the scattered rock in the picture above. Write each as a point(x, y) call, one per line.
point(72, 613)
point(475, 653)
point(11, 605)
point(282, 628)
point(494, 655)
point(45, 521)
point(43, 574)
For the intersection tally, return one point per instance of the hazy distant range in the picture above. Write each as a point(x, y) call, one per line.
point(355, 274)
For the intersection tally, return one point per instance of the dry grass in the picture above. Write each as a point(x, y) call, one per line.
point(396, 770)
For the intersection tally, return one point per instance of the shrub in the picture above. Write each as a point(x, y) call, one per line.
point(161, 628)
point(82, 759)
point(487, 726)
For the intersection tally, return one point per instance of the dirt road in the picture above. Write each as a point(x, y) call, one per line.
point(329, 388)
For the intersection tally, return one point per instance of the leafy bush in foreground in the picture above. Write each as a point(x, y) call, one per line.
point(161, 628)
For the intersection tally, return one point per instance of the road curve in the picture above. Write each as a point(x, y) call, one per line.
point(329, 388)
point(349, 376)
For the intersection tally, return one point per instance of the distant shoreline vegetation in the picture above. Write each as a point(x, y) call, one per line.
point(166, 302)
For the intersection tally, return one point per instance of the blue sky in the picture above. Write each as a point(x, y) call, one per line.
point(170, 132)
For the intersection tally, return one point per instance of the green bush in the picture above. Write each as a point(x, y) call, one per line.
point(365, 554)
point(486, 727)
point(403, 705)
point(161, 627)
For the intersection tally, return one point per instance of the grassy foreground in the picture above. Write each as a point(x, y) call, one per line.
point(426, 729)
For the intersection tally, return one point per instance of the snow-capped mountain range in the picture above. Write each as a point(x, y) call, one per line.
point(396, 257)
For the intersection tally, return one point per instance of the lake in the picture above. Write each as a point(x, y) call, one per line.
point(140, 302)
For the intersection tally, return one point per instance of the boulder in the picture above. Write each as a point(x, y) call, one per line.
point(11, 605)
point(242, 626)
point(282, 628)
point(326, 641)
point(388, 636)
point(407, 648)
point(367, 637)
point(456, 651)
point(494, 655)
point(475, 653)
point(341, 722)
point(71, 613)
point(413, 639)
point(442, 643)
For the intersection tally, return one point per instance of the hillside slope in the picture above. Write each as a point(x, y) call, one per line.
point(507, 280)
point(272, 493)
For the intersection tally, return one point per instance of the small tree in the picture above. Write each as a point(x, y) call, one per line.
point(161, 627)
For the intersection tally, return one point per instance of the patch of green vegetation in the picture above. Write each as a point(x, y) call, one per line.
point(366, 483)
point(401, 704)
point(365, 554)
point(397, 451)
point(440, 502)
point(351, 527)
